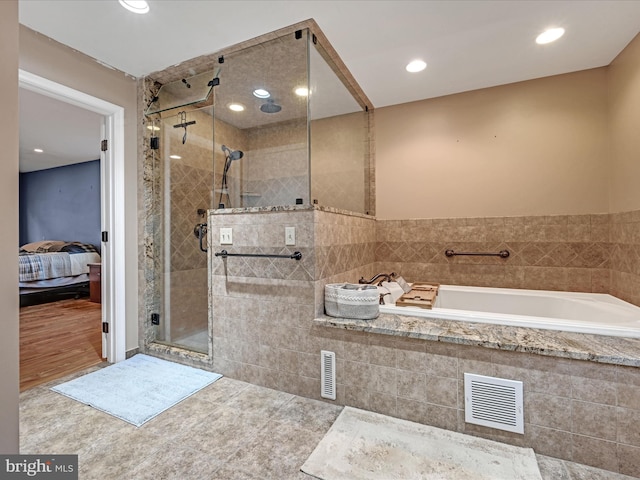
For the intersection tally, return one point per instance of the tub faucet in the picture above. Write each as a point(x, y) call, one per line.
point(387, 278)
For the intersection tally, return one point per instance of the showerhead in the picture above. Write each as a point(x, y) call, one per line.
point(232, 154)
point(270, 107)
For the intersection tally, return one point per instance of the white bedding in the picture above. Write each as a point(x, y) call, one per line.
point(80, 261)
point(36, 285)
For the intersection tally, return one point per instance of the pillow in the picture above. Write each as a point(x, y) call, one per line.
point(77, 247)
point(43, 246)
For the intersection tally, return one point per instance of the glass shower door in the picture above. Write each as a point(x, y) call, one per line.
point(186, 159)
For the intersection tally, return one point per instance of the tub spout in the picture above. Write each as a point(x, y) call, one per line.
point(386, 278)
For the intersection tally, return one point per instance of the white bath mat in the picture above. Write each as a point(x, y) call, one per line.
point(369, 446)
point(138, 389)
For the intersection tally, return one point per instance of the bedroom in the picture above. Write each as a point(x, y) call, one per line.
point(59, 228)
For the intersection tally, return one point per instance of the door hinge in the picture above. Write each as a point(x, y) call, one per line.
point(105, 327)
point(155, 319)
point(104, 145)
point(105, 236)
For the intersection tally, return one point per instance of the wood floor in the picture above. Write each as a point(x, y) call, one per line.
point(57, 339)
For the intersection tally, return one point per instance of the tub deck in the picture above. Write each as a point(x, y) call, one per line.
point(576, 346)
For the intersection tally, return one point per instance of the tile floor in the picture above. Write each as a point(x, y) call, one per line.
point(230, 430)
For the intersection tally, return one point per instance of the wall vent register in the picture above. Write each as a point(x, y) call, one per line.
point(493, 402)
point(328, 375)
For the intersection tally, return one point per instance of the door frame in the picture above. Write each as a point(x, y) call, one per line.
point(112, 205)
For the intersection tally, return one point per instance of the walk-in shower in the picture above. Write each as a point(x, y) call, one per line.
point(250, 129)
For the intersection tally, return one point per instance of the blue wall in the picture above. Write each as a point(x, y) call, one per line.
point(61, 203)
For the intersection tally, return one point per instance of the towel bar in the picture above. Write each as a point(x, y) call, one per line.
point(225, 254)
point(501, 253)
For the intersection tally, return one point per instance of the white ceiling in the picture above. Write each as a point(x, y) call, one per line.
point(67, 134)
point(466, 44)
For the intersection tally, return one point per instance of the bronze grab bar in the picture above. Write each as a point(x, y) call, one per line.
point(225, 254)
point(501, 253)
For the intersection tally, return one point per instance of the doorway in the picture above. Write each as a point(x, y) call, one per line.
point(112, 205)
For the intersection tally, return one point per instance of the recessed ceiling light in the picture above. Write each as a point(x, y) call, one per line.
point(38, 150)
point(549, 35)
point(416, 66)
point(153, 128)
point(135, 6)
point(175, 157)
point(302, 91)
point(236, 107)
point(261, 93)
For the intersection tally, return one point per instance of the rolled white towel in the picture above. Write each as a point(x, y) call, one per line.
point(395, 290)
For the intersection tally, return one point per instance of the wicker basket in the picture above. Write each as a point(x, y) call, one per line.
point(346, 300)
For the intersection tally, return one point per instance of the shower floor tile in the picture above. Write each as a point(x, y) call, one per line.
point(230, 430)
point(198, 341)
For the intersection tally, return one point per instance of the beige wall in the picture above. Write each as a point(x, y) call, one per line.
point(624, 118)
point(9, 232)
point(49, 59)
point(530, 148)
point(338, 155)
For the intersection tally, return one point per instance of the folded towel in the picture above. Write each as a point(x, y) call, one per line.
point(405, 286)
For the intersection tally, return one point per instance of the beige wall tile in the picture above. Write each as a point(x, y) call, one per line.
point(384, 380)
point(442, 391)
point(629, 427)
point(412, 410)
point(382, 403)
point(441, 365)
point(411, 360)
point(628, 396)
point(558, 252)
point(550, 383)
point(629, 460)
point(594, 420)
point(412, 385)
point(357, 374)
point(549, 441)
point(594, 452)
point(382, 355)
point(597, 391)
point(442, 417)
point(548, 411)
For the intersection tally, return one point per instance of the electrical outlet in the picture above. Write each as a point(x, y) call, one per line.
point(226, 236)
point(289, 235)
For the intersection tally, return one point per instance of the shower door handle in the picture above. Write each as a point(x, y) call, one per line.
point(200, 231)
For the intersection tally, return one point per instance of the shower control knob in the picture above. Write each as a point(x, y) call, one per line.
point(200, 230)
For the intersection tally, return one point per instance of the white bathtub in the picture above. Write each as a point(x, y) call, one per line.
point(595, 313)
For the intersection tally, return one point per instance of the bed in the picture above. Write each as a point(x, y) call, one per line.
point(52, 270)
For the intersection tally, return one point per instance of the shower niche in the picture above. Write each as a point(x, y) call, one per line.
point(271, 123)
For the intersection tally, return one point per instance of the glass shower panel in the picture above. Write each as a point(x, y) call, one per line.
point(261, 135)
point(185, 158)
point(339, 139)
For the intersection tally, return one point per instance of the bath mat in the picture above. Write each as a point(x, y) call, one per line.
point(366, 445)
point(138, 389)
